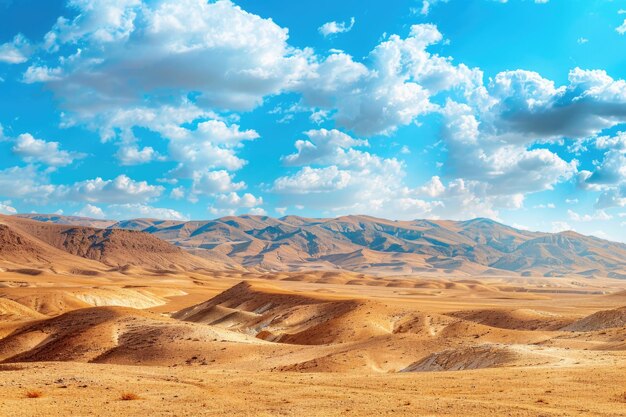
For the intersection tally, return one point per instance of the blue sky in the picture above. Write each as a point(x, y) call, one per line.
point(195, 109)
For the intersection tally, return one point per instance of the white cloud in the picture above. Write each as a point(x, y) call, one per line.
point(609, 174)
point(41, 74)
point(333, 28)
point(529, 107)
point(121, 189)
point(213, 144)
point(91, 211)
point(258, 211)
point(6, 208)
point(212, 182)
point(392, 90)
point(612, 197)
point(462, 199)
point(15, 52)
point(34, 150)
point(130, 49)
point(132, 155)
point(230, 203)
point(324, 146)
point(207, 144)
point(32, 185)
point(235, 200)
point(313, 180)
point(427, 4)
point(433, 188)
point(475, 154)
point(340, 179)
point(598, 215)
point(281, 210)
point(132, 211)
point(177, 193)
point(196, 141)
point(612, 142)
point(560, 226)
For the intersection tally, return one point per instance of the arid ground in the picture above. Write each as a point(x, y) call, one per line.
point(316, 344)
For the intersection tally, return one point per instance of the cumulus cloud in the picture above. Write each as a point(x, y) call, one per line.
point(41, 74)
point(337, 178)
point(130, 49)
point(598, 215)
point(427, 4)
point(196, 140)
point(333, 28)
point(609, 173)
point(177, 68)
point(136, 210)
point(475, 153)
point(612, 197)
point(121, 189)
point(213, 182)
point(15, 52)
point(129, 211)
point(89, 210)
point(34, 150)
point(323, 146)
point(461, 199)
point(392, 90)
point(230, 203)
point(233, 199)
point(560, 226)
point(529, 107)
point(313, 180)
point(177, 193)
point(213, 144)
point(31, 186)
point(133, 155)
point(6, 208)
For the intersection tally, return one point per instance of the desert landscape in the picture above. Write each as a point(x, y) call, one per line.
point(287, 208)
point(100, 321)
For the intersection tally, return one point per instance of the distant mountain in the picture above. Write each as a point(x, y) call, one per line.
point(50, 246)
point(367, 244)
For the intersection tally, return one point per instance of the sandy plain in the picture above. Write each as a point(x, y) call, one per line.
point(311, 344)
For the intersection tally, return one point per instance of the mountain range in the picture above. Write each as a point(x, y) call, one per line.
point(355, 243)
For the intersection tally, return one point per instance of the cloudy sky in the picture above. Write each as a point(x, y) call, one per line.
point(195, 109)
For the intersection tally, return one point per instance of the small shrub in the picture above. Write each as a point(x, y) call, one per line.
point(34, 394)
point(129, 396)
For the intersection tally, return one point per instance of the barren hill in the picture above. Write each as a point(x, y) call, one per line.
point(33, 244)
point(372, 245)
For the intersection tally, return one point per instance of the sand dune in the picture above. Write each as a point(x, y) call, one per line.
point(606, 319)
point(518, 319)
point(112, 335)
point(13, 311)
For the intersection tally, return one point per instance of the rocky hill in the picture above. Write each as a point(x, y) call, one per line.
point(367, 244)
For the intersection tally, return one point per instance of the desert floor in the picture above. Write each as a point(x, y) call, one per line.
point(532, 367)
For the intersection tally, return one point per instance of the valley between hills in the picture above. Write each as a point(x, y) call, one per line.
point(254, 316)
